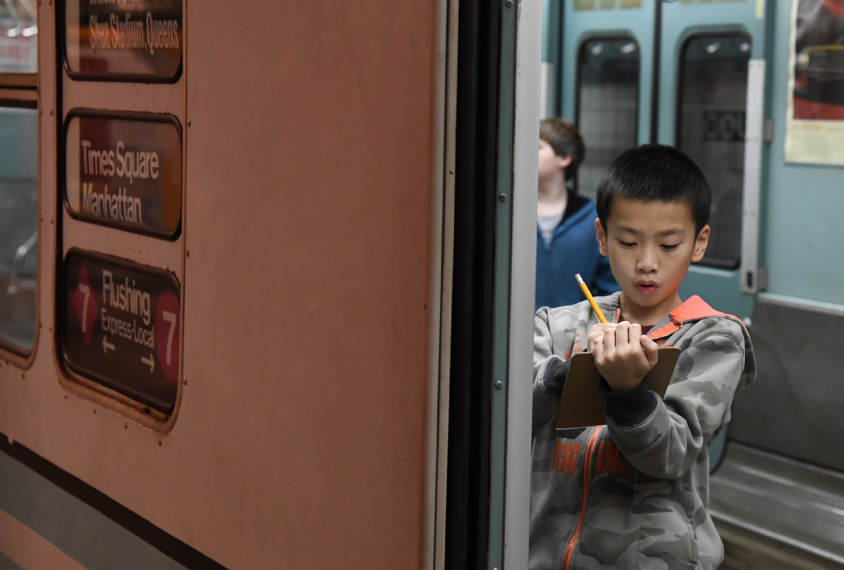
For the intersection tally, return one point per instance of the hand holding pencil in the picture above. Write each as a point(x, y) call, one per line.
point(623, 355)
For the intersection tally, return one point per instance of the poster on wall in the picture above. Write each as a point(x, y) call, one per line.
point(815, 114)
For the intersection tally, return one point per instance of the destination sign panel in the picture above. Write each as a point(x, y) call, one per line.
point(124, 39)
point(121, 327)
point(125, 170)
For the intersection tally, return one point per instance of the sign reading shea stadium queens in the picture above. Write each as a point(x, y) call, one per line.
point(124, 39)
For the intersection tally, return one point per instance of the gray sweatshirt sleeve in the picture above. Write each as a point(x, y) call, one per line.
point(666, 443)
point(549, 372)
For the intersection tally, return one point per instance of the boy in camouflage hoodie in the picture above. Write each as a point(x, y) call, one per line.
point(634, 493)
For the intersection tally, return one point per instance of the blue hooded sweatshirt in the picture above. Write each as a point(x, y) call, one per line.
point(573, 249)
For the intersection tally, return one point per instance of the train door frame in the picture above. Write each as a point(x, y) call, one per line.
point(731, 290)
point(487, 504)
point(578, 26)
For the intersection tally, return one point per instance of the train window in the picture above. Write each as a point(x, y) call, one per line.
point(18, 228)
point(18, 175)
point(607, 104)
point(18, 43)
point(710, 129)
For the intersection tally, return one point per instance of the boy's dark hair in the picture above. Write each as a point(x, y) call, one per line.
point(655, 173)
point(565, 140)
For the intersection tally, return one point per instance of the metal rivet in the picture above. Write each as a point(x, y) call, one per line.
point(502, 197)
point(508, 3)
point(499, 385)
point(188, 122)
point(125, 426)
point(185, 382)
point(51, 112)
point(187, 253)
point(159, 443)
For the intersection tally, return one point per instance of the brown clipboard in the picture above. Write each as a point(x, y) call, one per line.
point(582, 404)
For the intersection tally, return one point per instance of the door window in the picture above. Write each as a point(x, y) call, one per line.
point(18, 226)
point(712, 103)
point(18, 176)
point(607, 104)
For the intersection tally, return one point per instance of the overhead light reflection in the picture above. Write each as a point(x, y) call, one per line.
point(713, 47)
point(628, 48)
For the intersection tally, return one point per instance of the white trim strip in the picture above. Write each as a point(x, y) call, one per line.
point(444, 293)
point(546, 90)
point(754, 128)
point(522, 285)
point(439, 293)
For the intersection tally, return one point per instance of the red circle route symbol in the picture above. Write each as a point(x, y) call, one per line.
point(167, 327)
point(85, 303)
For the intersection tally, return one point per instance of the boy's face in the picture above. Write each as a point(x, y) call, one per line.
point(650, 246)
point(550, 163)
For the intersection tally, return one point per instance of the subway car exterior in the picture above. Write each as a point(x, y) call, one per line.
point(267, 271)
point(227, 241)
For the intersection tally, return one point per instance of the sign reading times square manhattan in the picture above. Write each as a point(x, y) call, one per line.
point(120, 327)
point(124, 39)
point(125, 170)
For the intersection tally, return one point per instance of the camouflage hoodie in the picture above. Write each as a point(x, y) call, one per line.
point(633, 493)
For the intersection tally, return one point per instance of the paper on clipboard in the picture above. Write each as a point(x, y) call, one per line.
point(582, 404)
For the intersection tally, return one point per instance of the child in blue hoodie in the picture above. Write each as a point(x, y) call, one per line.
point(565, 236)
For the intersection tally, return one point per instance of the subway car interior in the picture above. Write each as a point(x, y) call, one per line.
point(172, 177)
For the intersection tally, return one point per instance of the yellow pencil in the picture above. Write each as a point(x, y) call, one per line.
point(590, 297)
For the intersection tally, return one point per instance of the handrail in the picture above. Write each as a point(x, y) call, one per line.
point(22, 251)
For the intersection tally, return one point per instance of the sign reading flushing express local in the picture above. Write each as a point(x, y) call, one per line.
point(121, 327)
point(124, 39)
point(125, 170)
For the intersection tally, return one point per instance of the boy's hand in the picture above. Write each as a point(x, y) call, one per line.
point(622, 354)
point(597, 331)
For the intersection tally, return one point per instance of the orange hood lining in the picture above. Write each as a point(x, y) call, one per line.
point(693, 309)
